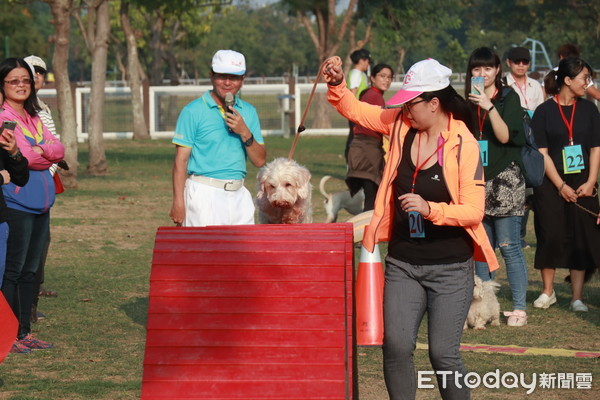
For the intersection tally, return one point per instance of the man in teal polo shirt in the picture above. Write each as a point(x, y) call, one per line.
point(212, 144)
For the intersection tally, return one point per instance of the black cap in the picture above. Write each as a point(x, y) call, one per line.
point(518, 53)
point(360, 54)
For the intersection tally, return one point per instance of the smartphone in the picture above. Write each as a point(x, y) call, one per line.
point(10, 125)
point(476, 81)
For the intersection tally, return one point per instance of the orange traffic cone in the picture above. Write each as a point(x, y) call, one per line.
point(369, 298)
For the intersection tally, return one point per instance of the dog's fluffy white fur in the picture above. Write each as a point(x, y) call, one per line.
point(284, 193)
point(334, 202)
point(484, 307)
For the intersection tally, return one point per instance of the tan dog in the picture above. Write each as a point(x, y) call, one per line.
point(484, 307)
point(334, 202)
point(284, 193)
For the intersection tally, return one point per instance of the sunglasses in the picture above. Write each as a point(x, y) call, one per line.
point(406, 106)
point(17, 82)
point(524, 62)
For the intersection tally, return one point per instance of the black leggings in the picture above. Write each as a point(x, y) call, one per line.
point(370, 189)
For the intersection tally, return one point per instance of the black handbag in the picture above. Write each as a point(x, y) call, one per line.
point(533, 160)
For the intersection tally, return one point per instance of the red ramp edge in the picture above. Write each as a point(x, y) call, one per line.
point(9, 324)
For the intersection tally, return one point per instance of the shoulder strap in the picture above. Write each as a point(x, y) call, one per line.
point(505, 90)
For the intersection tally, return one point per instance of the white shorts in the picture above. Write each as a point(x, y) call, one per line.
point(206, 205)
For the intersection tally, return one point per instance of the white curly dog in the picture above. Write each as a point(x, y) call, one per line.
point(284, 193)
point(484, 307)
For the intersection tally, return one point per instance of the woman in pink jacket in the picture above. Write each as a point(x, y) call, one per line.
point(28, 213)
point(429, 208)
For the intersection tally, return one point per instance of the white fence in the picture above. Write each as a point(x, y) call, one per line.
point(273, 102)
point(279, 108)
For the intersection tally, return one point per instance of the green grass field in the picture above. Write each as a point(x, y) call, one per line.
point(100, 259)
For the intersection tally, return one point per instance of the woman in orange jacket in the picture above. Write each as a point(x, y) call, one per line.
point(429, 208)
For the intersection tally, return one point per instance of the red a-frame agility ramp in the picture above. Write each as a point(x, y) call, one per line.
point(251, 312)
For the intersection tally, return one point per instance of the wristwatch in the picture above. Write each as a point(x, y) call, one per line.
point(249, 142)
point(17, 156)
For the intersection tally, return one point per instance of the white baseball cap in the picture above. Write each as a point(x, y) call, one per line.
point(35, 61)
point(229, 62)
point(424, 76)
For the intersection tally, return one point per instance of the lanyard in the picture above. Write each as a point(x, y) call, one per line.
point(482, 120)
point(568, 124)
point(523, 91)
point(417, 166)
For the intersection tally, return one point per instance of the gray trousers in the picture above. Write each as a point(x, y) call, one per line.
point(445, 292)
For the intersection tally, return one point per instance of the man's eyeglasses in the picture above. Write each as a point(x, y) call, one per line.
point(587, 79)
point(17, 82)
point(406, 106)
point(523, 62)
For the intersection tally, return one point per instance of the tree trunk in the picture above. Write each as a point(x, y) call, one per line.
point(140, 128)
point(169, 54)
point(321, 107)
point(97, 161)
point(156, 27)
point(327, 42)
point(173, 70)
point(61, 11)
point(401, 56)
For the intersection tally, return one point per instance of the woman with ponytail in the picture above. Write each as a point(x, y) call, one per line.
point(429, 208)
point(567, 132)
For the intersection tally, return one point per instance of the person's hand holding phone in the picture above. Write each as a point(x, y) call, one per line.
point(477, 95)
point(7, 139)
point(477, 84)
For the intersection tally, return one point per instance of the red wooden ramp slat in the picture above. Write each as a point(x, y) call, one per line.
point(261, 312)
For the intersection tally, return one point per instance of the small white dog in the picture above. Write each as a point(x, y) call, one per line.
point(334, 202)
point(484, 307)
point(284, 193)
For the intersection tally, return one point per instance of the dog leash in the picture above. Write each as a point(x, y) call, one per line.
point(301, 127)
point(593, 214)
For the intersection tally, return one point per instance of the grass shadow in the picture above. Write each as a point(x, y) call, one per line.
point(137, 310)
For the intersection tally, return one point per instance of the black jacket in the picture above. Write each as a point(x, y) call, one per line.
point(19, 175)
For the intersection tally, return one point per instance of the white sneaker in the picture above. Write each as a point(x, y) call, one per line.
point(578, 305)
point(516, 318)
point(545, 301)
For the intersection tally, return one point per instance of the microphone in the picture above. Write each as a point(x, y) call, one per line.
point(229, 101)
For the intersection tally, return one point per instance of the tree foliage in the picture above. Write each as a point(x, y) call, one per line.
point(179, 37)
point(450, 29)
point(271, 40)
point(18, 42)
point(409, 31)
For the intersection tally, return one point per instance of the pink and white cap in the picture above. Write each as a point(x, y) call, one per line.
point(229, 62)
point(424, 76)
